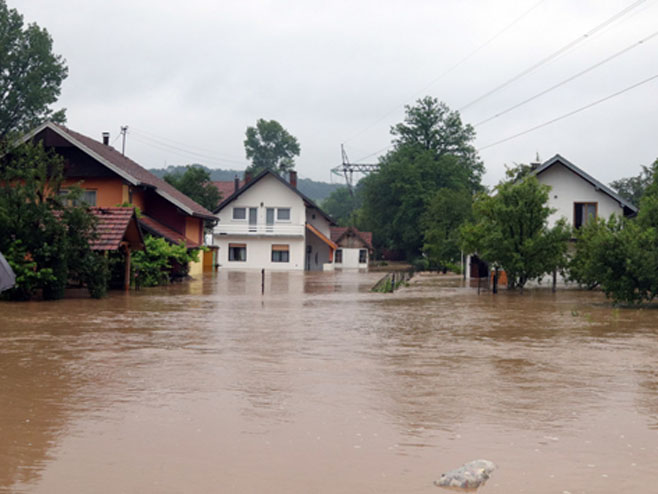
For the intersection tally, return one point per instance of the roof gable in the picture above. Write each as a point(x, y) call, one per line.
point(557, 159)
point(124, 167)
point(340, 232)
point(248, 185)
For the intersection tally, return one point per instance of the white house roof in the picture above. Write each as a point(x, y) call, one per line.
point(629, 209)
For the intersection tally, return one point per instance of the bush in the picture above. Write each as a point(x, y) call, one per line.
point(161, 262)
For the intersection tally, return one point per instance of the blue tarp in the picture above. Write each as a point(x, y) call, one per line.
point(7, 276)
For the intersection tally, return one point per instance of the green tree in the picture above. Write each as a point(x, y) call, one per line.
point(510, 230)
point(45, 239)
point(621, 255)
point(30, 74)
point(341, 205)
point(632, 188)
point(270, 147)
point(432, 151)
point(195, 183)
point(447, 210)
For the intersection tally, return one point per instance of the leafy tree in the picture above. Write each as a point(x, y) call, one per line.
point(341, 205)
point(431, 126)
point(195, 183)
point(30, 74)
point(632, 188)
point(621, 255)
point(270, 147)
point(45, 239)
point(445, 213)
point(510, 229)
point(432, 151)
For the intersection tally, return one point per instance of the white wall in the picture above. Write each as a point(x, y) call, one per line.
point(568, 188)
point(315, 218)
point(351, 259)
point(268, 192)
point(259, 253)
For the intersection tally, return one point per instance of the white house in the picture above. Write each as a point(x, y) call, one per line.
point(354, 247)
point(268, 224)
point(575, 195)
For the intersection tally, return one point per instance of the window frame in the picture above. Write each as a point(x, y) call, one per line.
point(280, 253)
point(584, 217)
point(236, 208)
point(338, 256)
point(237, 247)
point(279, 220)
point(361, 251)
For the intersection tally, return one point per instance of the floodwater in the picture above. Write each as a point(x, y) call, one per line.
point(320, 386)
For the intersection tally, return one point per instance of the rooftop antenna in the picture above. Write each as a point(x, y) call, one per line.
point(124, 131)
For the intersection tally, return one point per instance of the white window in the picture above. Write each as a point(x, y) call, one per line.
point(283, 214)
point(239, 213)
point(363, 256)
point(339, 256)
point(87, 198)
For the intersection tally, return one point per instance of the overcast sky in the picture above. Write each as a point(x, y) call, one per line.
point(189, 76)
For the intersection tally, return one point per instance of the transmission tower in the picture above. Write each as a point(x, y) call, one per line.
point(348, 169)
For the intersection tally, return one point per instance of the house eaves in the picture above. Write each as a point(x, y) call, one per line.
point(588, 178)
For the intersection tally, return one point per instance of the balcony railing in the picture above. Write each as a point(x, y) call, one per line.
point(259, 229)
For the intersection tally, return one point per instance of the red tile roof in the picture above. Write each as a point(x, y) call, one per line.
point(226, 188)
point(111, 227)
point(337, 232)
point(157, 228)
point(139, 175)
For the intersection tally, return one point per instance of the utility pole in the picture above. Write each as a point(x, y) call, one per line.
point(348, 169)
point(124, 131)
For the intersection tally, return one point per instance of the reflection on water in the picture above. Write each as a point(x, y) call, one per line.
point(321, 386)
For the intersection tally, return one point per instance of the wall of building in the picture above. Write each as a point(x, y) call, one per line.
point(315, 218)
point(259, 252)
point(351, 259)
point(194, 229)
point(568, 188)
point(109, 191)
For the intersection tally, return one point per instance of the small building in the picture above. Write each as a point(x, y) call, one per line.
point(110, 179)
point(354, 247)
point(267, 223)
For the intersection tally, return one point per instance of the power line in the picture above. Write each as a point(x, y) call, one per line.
point(582, 108)
point(565, 81)
point(555, 54)
point(166, 140)
point(181, 152)
point(449, 70)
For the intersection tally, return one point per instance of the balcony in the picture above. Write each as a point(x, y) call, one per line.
point(285, 230)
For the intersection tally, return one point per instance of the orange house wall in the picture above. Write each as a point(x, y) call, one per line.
point(109, 191)
point(194, 229)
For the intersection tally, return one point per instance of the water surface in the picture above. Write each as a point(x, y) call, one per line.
point(320, 386)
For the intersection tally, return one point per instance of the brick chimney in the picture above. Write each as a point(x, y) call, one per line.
point(236, 183)
point(247, 177)
point(293, 178)
point(106, 138)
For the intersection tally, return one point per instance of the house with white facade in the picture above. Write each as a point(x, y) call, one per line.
point(577, 196)
point(354, 247)
point(267, 223)
point(574, 195)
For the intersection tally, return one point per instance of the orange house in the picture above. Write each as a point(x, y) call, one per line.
point(110, 179)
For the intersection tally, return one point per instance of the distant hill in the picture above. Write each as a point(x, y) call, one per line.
point(318, 191)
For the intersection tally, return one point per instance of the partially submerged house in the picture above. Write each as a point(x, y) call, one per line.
point(574, 195)
point(267, 223)
point(110, 179)
point(354, 247)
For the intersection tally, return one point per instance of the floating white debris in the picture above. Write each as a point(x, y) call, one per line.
point(469, 476)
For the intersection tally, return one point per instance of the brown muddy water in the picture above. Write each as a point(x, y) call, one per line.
point(322, 387)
